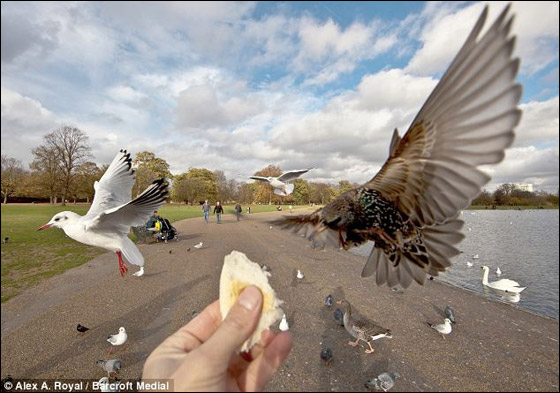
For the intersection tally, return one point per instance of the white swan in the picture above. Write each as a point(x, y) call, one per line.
point(504, 284)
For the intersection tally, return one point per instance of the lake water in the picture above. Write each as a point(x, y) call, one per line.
point(523, 243)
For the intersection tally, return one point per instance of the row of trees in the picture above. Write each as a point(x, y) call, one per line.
point(62, 168)
point(510, 195)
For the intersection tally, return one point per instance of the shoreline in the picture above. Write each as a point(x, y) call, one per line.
point(493, 347)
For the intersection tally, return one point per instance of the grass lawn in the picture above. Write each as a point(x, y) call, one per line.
point(31, 256)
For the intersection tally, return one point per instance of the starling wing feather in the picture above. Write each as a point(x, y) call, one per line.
point(467, 121)
point(410, 207)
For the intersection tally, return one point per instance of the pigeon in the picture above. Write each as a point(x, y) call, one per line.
point(194, 313)
point(171, 251)
point(112, 213)
point(498, 272)
point(279, 183)
point(443, 329)
point(198, 246)
point(111, 366)
point(6, 239)
point(339, 316)
point(284, 324)
point(410, 208)
point(326, 356)
point(140, 272)
point(300, 274)
point(329, 301)
point(449, 313)
point(81, 329)
point(362, 329)
point(384, 381)
point(117, 339)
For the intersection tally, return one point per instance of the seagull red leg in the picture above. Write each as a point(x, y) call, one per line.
point(122, 267)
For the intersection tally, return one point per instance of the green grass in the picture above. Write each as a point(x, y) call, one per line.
point(31, 256)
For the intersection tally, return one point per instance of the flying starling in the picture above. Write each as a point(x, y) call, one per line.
point(410, 208)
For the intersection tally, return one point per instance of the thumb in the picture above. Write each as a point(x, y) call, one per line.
point(238, 325)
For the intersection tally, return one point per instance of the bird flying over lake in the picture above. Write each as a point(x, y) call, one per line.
point(410, 208)
point(281, 187)
point(112, 212)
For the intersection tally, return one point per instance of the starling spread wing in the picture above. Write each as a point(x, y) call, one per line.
point(467, 121)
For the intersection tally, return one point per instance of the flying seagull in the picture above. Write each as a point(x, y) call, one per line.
point(280, 183)
point(410, 208)
point(112, 212)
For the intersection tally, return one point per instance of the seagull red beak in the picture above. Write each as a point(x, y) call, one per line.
point(46, 226)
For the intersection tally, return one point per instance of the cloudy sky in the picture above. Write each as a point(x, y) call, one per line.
point(239, 85)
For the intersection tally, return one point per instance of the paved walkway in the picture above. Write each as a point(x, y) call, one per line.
point(493, 347)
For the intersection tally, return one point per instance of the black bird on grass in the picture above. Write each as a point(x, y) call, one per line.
point(410, 207)
point(81, 329)
point(6, 239)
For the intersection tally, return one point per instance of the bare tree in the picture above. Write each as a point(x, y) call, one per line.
point(47, 170)
point(12, 173)
point(72, 149)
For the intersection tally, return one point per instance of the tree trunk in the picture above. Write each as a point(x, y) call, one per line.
point(5, 198)
point(87, 199)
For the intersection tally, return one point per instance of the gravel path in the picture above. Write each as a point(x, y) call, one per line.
point(493, 347)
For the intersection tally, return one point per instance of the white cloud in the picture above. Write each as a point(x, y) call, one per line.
point(444, 32)
point(539, 123)
point(24, 122)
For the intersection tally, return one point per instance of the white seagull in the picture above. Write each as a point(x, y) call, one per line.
point(300, 274)
point(280, 183)
point(117, 339)
point(470, 264)
point(198, 246)
point(498, 271)
point(505, 284)
point(444, 328)
point(112, 212)
point(140, 272)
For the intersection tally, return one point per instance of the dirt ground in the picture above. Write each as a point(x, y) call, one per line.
point(493, 346)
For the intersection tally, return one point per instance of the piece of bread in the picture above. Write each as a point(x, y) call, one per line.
point(238, 273)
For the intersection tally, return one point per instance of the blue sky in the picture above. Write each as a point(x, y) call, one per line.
point(236, 86)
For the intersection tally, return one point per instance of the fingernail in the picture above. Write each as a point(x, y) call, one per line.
point(250, 298)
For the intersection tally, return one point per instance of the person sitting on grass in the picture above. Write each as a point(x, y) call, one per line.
point(153, 222)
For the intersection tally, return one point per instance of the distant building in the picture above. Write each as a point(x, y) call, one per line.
point(525, 187)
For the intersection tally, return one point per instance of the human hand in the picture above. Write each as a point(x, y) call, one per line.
point(203, 354)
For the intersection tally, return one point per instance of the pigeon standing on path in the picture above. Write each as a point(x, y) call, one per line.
point(384, 381)
point(449, 313)
point(112, 213)
point(111, 366)
point(410, 208)
point(329, 301)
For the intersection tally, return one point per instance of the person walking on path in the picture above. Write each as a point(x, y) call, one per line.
point(218, 210)
point(238, 210)
point(206, 210)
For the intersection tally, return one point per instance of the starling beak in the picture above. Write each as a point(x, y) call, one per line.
point(411, 207)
